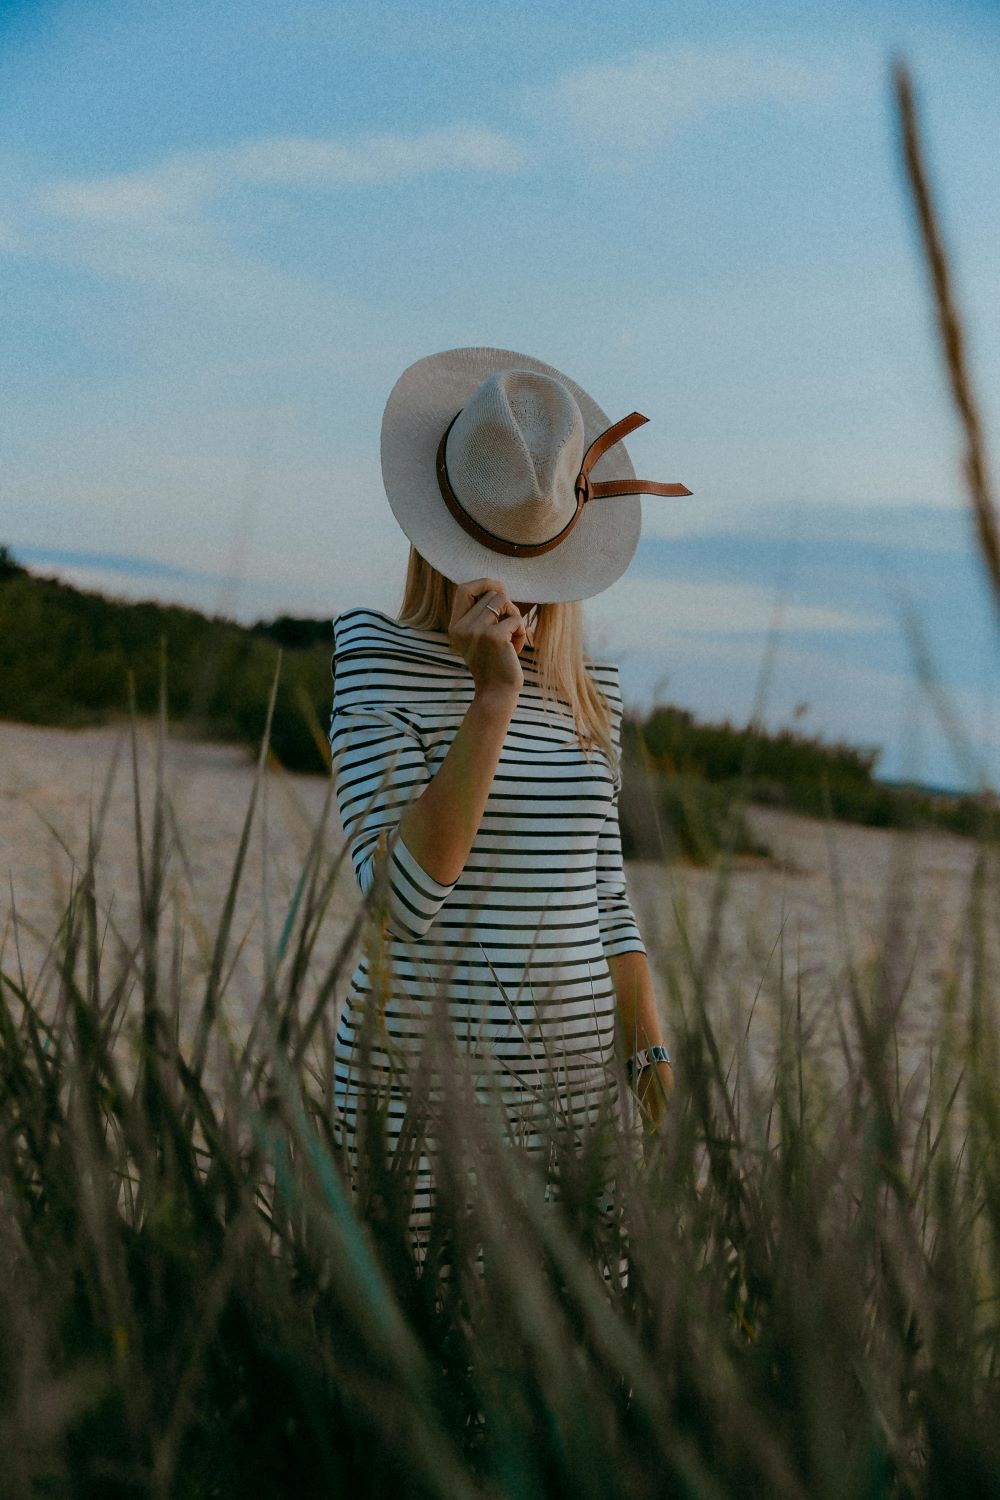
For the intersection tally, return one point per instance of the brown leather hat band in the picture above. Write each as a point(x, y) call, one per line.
point(586, 490)
point(472, 526)
point(598, 489)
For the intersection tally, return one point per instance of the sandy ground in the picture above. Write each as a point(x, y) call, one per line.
point(803, 921)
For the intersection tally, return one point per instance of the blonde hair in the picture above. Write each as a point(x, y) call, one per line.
point(557, 636)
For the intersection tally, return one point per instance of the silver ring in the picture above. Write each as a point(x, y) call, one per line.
point(495, 611)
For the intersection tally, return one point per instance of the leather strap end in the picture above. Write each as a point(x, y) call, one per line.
point(607, 487)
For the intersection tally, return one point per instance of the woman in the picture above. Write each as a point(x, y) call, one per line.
point(476, 751)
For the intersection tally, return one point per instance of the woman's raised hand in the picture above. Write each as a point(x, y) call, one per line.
point(489, 647)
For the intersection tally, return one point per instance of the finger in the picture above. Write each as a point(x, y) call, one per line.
point(469, 592)
point(509, 617)
point(494, 605)
point(480, 583)
point(475, 595)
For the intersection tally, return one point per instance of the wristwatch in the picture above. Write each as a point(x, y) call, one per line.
point(644, 1059)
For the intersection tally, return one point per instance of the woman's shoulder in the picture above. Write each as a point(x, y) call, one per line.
point(363, 627)
point(361, 622)
point(608, 679)
point(604, 671)
point(377, 659)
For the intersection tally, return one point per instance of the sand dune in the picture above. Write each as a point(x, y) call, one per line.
point(781, 921)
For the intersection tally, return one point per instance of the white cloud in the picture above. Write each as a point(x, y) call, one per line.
point(896, 522)
point(376, 158)
point(164, 192)
point(178, 186)
point(621, 109)
point(640, 610)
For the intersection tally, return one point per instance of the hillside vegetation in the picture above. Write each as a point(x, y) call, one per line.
point(711, 764)
point(67, 658)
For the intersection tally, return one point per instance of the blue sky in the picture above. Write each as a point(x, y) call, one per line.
point(227, 228)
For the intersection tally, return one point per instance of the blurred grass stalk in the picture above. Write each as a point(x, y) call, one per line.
point(191, 1304)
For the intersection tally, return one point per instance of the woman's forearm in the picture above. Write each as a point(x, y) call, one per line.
point(640, 1023)
point(440, 826)
point(637, 1008)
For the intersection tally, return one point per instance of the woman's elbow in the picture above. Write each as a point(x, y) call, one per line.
point(406, 898)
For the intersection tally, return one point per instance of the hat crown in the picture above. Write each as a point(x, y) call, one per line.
point(514, 453)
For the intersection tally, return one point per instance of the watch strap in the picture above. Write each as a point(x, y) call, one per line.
point(645, 1059)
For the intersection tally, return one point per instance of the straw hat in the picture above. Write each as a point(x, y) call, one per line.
point(497, 465)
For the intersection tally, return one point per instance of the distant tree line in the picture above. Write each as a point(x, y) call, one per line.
point(791, 770)
point(67, 658)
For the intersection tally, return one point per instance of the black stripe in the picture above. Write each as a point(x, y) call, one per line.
point(543, 890)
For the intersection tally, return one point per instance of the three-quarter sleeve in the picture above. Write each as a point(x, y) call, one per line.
point(619, 928)
point(379, 767)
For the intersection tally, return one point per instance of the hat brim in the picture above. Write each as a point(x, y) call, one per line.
point(421, 404)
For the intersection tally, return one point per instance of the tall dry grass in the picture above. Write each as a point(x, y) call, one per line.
point(191, 1304)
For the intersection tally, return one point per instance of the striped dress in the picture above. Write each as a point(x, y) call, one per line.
point(519, 943)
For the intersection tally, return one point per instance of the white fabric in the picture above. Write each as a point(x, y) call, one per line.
point(514, 453)
point(492, 473)
point(539, 907)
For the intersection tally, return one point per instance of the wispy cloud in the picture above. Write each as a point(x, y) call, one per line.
point(641, 609)
point(178, 186)
point(166, 227)
point(624, 108)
